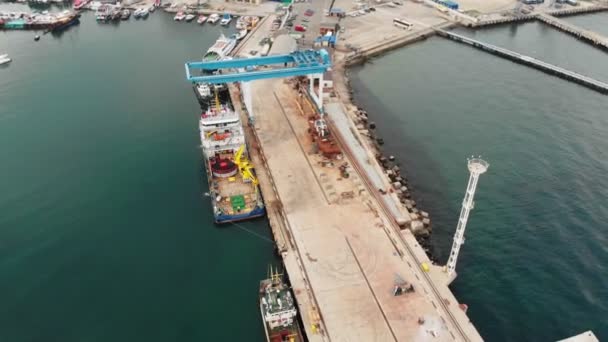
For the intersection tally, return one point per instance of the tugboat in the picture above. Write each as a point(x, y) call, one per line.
point(278, 309)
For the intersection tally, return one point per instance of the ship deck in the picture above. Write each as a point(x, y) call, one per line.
point(237, 196)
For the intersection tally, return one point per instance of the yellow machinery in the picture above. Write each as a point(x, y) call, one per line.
point(217, 100)
point(245, 168)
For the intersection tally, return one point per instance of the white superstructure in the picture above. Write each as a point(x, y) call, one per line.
point(220, 128)
point(220, 49)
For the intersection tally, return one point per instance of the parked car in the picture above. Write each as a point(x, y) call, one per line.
point(299, 28)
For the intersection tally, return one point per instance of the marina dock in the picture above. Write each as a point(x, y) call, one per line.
point(529, 61)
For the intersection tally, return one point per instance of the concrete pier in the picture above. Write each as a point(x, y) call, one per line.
point(529, 61)
point(342, 239)
point(585, 35)
point(339, 239)
point(497, 19)
point(346, 253)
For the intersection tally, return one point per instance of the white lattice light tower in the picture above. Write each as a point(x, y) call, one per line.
point(476, 166)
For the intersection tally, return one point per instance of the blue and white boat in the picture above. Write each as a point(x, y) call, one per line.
point(226, 19)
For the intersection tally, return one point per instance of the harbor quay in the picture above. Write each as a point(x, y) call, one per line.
point(300, 150)
point(346, 255)
point(348, 243)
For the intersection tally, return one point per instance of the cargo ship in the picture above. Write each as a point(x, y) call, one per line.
point(233, 185)
point(279, 310)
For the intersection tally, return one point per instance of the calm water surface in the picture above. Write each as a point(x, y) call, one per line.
point(105, 234)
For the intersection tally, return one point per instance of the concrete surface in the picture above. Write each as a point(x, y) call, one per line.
point(349, 254)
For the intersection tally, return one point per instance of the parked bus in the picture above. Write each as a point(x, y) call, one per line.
point(401, 23)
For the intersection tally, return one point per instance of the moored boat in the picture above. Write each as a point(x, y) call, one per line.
point(103, 13)
point(279, 310)
point(179, 16)
point(201, 19)
point(79, 4)
point(116, 14)
point(240, 23)
point(240, 35)
point(233, 185)
point(141, 13)
point(220, 49)
point(125, 15)
point(65, 20)
point(213, 18)
point(190, 17)
point(226, 19)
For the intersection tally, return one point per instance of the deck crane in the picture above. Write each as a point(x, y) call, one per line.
point(245, 168)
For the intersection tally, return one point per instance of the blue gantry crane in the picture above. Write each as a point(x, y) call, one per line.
point(312, 63)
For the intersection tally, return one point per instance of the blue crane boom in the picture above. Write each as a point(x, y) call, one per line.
point(298, 63)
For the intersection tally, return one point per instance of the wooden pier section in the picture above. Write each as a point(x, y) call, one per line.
point(586, 35)
point(529, 61)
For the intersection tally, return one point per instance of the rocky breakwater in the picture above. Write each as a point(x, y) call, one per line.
point(419, 220)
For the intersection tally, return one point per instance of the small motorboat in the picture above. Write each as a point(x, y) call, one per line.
point(214, 18)
point(179, 16)
point(140, 13)
point(152, 9)
point(125, 14)
point(116, 14)
point(240, 35)
point(190, 17)
point(226, 19)
point(201, 20)
point(4, 59)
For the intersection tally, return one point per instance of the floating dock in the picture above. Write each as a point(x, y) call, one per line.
point(529, 61)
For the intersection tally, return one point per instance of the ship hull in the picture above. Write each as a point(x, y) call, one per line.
point(288, 333)
point(234, 197)
point(255, 213)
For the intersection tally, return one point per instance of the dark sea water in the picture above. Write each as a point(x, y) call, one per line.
point(105, 234)
point(534, 266)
